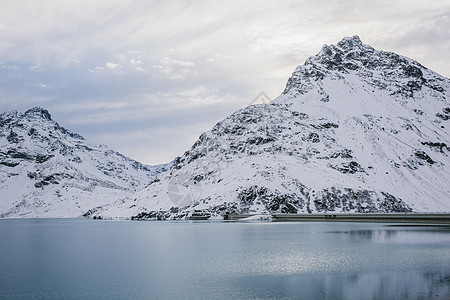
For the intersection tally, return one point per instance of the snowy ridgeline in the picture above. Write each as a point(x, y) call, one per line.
point(355, 130)
point(48, 171)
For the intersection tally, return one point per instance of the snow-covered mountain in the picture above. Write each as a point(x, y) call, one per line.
point(355, 130)
point(48, 171)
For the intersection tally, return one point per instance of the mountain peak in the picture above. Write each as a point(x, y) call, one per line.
point(349, 49)
point(38, 112)
point(397, 74)
point(350, 42)
point(49, 171)
point(346, 45)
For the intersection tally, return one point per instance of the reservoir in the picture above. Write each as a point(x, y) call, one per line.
point(87, 259)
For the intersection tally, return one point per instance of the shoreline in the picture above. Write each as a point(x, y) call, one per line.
point(423, 218)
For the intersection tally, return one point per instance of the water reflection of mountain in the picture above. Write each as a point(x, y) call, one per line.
point(376, 235)
point(407, 284)
point(398, 233)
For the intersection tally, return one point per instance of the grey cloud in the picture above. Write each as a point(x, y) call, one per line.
point(127, 67)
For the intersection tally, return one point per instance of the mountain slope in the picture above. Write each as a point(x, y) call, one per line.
point(48, 171)
point(355, 130)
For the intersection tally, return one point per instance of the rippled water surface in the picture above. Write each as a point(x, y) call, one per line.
point(79, 259)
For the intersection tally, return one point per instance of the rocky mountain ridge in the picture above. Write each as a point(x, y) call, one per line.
point(355, 130)
point(49, 171)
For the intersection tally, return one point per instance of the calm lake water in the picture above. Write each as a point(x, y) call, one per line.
point(85, 259)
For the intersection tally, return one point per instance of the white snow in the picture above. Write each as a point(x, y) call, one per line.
point(47, 171)
point(356, 130)
point(350, 132)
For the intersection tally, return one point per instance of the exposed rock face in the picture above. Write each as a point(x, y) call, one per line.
point(355, 130)
point(49, 171)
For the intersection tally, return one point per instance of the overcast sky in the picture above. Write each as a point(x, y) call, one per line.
point(148, 77)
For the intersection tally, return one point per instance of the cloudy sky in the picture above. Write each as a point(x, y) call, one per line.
point(148, 77)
